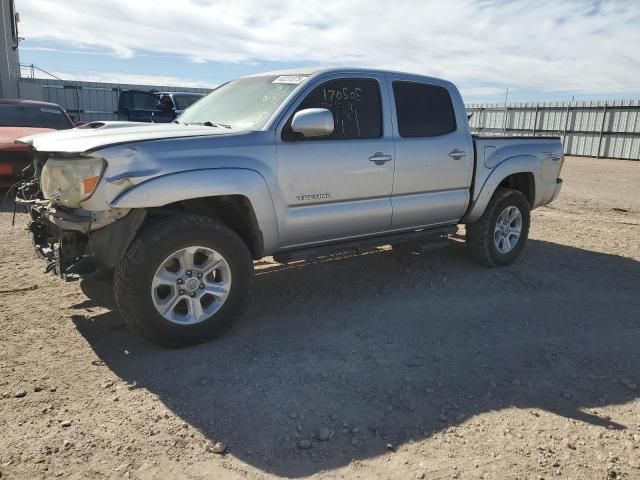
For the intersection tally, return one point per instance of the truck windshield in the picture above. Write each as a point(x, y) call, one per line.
point(247, 103)
point(37, 116)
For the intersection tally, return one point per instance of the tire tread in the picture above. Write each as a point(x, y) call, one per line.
point(125, 296)
point(479, 234)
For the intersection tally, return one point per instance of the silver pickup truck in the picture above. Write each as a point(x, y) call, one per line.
point(284, 164)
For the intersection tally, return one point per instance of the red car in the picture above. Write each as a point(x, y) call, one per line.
point(19, 118)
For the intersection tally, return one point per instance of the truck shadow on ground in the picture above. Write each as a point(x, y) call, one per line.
point(386, 347)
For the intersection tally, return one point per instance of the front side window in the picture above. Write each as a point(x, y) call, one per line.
point(139, 100)
point(355, 105)
point(165, 102)
point(423, 110)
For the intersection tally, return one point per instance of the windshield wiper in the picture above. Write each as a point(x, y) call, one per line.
point(210, 124)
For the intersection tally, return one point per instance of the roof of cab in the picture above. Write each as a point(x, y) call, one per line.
point(312, 71)
point(19, 101)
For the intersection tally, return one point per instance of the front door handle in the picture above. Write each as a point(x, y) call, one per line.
point(379, 158)
point(457, 154)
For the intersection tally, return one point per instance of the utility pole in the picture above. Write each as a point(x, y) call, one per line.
point(506, 113)
point(10, 63)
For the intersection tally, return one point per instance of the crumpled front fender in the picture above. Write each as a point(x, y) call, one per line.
point(201, 183)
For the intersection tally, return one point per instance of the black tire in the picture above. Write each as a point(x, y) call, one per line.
point(159, 239)
point(480, 234)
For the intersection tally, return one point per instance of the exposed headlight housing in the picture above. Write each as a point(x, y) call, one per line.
point(70, 181)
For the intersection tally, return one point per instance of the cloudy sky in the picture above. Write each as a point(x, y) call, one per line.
point(538, 49)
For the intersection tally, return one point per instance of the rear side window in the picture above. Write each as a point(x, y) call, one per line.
point(423, 110)
point(139, 100)
point(183, 102)
point(355, 105)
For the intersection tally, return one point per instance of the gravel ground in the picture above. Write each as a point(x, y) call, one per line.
point(386, 365)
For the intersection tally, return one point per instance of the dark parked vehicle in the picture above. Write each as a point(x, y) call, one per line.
point(19, 118)
point(158, 107)
point(172, 104)
point(137, 105)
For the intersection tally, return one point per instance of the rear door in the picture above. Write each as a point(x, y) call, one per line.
point(434, 153)
point(338, 186)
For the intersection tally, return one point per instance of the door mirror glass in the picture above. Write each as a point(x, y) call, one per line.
point(313, 122)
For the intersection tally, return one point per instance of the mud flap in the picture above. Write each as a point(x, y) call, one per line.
point(108, 244)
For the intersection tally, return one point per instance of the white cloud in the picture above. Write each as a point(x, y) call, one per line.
point(577, 45)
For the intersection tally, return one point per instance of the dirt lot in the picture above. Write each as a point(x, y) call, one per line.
point(407, 364)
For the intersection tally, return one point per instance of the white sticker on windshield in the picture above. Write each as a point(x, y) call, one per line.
point(290, 79)
point(50, 110)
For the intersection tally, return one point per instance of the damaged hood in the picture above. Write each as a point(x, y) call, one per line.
point(8, 135)
point(97, 135)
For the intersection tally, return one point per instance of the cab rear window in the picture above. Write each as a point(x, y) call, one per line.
point(36, 116)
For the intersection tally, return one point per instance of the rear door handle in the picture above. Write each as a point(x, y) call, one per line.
point(379, 158)
point(457, 154)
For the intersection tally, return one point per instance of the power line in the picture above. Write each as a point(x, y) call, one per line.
point(33, 67)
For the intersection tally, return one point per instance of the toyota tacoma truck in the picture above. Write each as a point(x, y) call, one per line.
point(285, 164)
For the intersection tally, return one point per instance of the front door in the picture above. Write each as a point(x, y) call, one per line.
point(337, 186)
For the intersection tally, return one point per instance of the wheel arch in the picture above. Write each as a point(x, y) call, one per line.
point(520, 173)
point(239, 198)
point(235, 211)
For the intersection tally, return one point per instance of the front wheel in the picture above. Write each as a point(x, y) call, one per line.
point(498, 237)
point(183, 280)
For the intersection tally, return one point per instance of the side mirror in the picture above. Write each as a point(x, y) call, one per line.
point(313, 122)
point(79, 124)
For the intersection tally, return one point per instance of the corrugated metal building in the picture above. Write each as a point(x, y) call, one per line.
point(88, 101)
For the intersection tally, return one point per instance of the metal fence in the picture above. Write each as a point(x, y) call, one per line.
point(89, 101)
point(609, 129)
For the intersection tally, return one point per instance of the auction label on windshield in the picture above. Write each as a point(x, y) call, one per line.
point(50, 110)
point(290, 79)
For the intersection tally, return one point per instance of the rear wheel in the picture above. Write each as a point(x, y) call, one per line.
point(499, 236)
point(183, 280)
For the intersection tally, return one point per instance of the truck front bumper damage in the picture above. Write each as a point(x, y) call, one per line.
point(76, 243)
